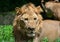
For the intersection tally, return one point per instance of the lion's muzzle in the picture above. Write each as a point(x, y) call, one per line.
point(31, 32)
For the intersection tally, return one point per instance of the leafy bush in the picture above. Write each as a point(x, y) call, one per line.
point(6, 34)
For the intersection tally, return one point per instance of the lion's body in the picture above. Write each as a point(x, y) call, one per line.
point(51, 30)
point(55, 8)
point(28, 24)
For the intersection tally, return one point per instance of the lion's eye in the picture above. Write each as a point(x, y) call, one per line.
point(26, 19)
point(35, 18)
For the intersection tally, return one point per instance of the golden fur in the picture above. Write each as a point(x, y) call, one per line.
point(55, 7)
point(28, 24)
point(51, 30)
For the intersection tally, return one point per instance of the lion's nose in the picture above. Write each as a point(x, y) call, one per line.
point(31, 28)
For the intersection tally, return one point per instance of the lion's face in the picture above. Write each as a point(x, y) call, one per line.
point(29, 22)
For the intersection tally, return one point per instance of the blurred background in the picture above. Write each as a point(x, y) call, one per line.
point(7, 9)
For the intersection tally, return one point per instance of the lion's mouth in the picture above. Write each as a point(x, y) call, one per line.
point(31, 34)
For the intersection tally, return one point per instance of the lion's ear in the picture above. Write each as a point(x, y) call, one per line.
point(17, 9)
point(39, 9)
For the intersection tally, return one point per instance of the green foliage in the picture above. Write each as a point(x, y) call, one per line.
point(9, 5)
point(57, 40)
point(6, 34)
point(45, 39)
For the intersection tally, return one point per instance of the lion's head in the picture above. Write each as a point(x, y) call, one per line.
point(28, 20)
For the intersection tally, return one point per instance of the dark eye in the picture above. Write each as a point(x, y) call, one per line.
point(35, 18)
point(26, 19)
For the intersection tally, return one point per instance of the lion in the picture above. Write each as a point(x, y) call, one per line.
point(26, 22)
point(55, 8)
point(29, 24)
